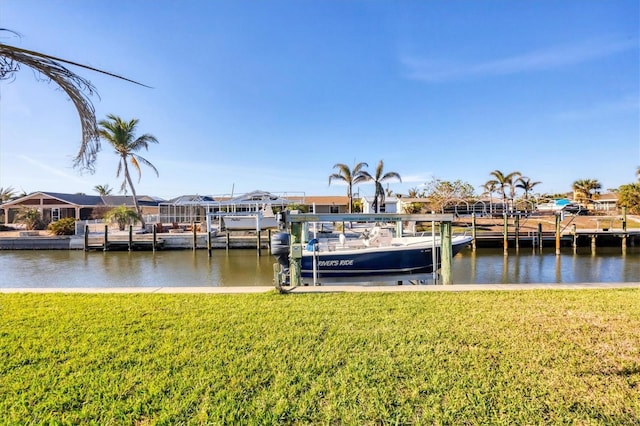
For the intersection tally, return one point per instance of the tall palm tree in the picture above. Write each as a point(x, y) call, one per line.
point(378, 179)
point(350, 177)
point(526, 185)
point(103, 190)
point(77, 88)
point(121, 135)
point(489, 188)
point(504, 183)
point(585, 189)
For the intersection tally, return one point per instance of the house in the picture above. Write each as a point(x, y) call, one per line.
point(390, 205)
point(606, 202)
point(54, 206)
point(324, 203)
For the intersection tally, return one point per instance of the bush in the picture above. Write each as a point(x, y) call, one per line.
point(66, 226)
point(31, 219)
point(122, 216)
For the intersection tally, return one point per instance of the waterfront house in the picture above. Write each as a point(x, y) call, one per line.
point(54, 206)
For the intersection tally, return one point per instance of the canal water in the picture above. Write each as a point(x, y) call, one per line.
point(186, 268)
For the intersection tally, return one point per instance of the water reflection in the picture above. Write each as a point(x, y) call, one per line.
point(61, 268)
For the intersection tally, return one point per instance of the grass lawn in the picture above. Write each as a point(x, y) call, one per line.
point(531, 357)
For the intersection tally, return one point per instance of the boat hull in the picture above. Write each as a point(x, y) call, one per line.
point(373, 262)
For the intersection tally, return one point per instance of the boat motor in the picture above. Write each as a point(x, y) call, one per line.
point(280, 250)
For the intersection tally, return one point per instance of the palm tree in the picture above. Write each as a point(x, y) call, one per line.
point(103, 190)
point(77, 88)
point(121, 135)
point(350, 177)
point(585, 189)
point(414, 192)
point(6, 194)
point(489, 188)
point(526, 185)
point(504, 182)
point(380, 177)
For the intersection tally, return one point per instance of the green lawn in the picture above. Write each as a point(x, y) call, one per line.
point(532, 357)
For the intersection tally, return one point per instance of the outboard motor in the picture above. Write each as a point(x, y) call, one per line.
point(280, 249)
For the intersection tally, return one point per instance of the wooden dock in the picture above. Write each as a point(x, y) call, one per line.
point(123, 242)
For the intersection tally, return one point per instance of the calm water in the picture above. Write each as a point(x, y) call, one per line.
point(61, 268)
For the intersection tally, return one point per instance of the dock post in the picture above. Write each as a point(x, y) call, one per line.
point(473, 231)
point(258, 236)
point(624, 219)
point(106, 238)
point(228, 238)
point(155, 236)
point(86, 238)
point(505, 235)
point(516, 223)
point(209, 242)
point(130, 237)
point(575, 238)
point(593, 244)
point(558, 234)
point(540, 236)
point(195, 235)
point(295, 260)
point(446, 253)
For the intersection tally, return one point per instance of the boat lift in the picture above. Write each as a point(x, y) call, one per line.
point(297, 225)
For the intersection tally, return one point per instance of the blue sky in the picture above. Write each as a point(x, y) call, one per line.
point(270, 95)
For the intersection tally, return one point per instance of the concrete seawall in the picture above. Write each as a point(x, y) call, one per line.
point(169, 242)
point(36, 243)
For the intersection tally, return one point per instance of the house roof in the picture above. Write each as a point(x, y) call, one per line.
point(83, 200)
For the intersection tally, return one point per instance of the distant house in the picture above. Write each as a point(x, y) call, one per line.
point(54, 206)
point(606, 202)
point(324, 203)
point(390, 205)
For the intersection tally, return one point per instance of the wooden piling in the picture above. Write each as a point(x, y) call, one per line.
point(228, 240)
point(505, 235)
point(155, 237)
point(86, 238)
point(106, 238)
point(575, 238)
point(195, 235)
point(473, 232)
point(516, 223)
point(446, 253)
point(540, 236)
point(209, 242)
point(295, 251)
point(558, 218)
point(130, 244)
point(258, 232)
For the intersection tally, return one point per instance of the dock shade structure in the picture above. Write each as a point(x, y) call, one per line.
point(297, 225)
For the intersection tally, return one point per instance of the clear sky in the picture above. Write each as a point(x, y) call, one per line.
point(269, 95)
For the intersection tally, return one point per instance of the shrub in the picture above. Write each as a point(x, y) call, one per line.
point(30, 218)
point(122, 216)
point(66, 226)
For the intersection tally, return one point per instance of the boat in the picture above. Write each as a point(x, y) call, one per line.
point(376, 254)
point(264, 218)
point(559, 205)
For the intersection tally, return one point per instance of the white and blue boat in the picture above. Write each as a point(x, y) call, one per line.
point(376, 254)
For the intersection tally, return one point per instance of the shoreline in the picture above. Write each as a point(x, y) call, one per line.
point(325, 289)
